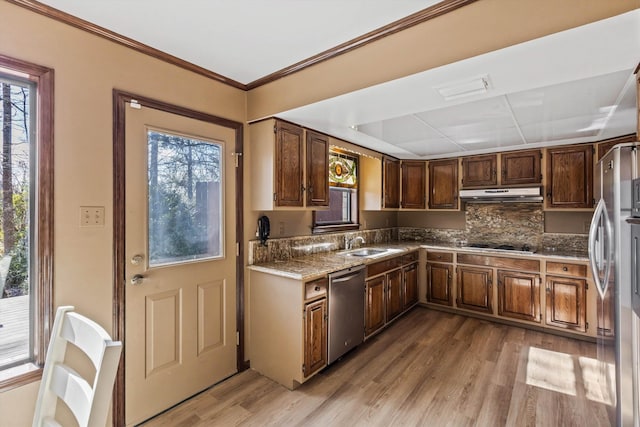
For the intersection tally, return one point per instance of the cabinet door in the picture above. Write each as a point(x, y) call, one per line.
point(394, 294)
point(439, 283)
point(410, 278)
point(566, 303)
point(289, 165)
point(570, 177)
point(519, 295)
point(443, 184)
point(317, 169)
point(414, 176)
point(391, 183)
point(315, 336)
point(374, 307)
point(521, 167)
point(475, 288)
point(480, 171)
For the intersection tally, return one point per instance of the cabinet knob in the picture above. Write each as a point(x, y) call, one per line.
point(317, 288)
point(565, 269)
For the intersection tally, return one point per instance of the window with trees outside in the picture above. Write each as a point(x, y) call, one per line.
point(343, 195)
point(26, 219)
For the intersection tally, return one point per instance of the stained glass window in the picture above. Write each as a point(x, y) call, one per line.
point(342, 170)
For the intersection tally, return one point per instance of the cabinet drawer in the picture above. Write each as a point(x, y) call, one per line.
point(439, 256)
point(382, 266)
point(567, 269)
point(500, 262)
point(316, 288)
point(409, 258)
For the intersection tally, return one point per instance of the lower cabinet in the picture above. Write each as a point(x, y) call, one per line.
point(475, 290)
point(391, 289)
point(566, 303)
point(410, 282)
point(315, 336)
point(288, 327)
point(374, 305)
point(439, 277)
point(519, 295)
point(395, 298)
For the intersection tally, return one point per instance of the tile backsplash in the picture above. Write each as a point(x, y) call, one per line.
point(493, 223)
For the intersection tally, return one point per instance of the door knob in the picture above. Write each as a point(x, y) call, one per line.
point(137, 279)
point(137, 259)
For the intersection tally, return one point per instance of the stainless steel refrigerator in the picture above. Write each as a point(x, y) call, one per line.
point(612, 261)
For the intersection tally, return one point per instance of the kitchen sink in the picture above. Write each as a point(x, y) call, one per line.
point(369, 252)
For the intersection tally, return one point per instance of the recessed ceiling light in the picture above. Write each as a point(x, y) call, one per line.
point(474, 86)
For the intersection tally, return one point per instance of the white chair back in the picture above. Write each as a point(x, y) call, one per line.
point(89, 402)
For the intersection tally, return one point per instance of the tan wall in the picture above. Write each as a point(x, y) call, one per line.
point(472, 30)
point(87, 68)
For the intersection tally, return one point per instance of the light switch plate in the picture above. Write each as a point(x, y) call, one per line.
point(91, 216)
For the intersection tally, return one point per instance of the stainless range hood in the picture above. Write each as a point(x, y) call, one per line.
point(502, 195)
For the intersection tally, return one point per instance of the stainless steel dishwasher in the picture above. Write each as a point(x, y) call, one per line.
point(346, 311)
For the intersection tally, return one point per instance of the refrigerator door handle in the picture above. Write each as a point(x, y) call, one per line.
point(599, 239)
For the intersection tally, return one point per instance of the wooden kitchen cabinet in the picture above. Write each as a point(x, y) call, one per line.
point(521, 167)
point(315, 336)
point(519, 295)
point(395, 300)
point(410, 284)
point(443, 184)
point(391, 183)
point(570, 177)
point(566, 303)
point(439, 278)
point(475, 290)
point(414, 176)
point(606, 145)
point(288, 327)
point(480, 171)
point(289, 166)
point(317, 148)
point(374, 314)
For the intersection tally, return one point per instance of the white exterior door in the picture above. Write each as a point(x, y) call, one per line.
point(180, 313)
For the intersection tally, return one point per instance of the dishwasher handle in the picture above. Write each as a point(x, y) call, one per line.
point(347, 274)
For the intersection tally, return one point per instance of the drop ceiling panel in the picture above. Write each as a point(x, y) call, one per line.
point(399, 130)
point(570, 110)
point(431, 147)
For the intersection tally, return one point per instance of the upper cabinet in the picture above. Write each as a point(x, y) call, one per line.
point(521, 167)
point(414, 177)
point(280, 176)
point(289, 165)
point(480, 171)
point(505, 169)
point(569, 181)
point(607, 144)
point(443, 184)
point(391, 183)
point(317, 169)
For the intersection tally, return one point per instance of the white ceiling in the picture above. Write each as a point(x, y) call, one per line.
point(241, 39)
point(573, 86)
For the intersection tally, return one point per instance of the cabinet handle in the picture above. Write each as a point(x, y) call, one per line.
point(317, 288)
point(565, 269)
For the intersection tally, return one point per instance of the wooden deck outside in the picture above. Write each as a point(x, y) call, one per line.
point(14, 329)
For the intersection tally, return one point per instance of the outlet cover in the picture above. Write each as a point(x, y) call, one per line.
point(91, 216)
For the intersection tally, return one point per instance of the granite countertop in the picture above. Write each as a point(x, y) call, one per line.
point(310, 267)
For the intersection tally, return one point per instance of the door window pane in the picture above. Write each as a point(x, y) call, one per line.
point(185, 198)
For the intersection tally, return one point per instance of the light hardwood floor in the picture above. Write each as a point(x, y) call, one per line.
point(427, 369)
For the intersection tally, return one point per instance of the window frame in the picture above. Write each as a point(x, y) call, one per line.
point(354, 224)
point(42, 246)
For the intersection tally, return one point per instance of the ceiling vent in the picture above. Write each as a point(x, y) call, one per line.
point(470, 87)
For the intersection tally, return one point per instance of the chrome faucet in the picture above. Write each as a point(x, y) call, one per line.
point(349, 242)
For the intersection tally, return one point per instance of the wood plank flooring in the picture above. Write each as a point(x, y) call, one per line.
point(429, 368)
point(14, 329)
